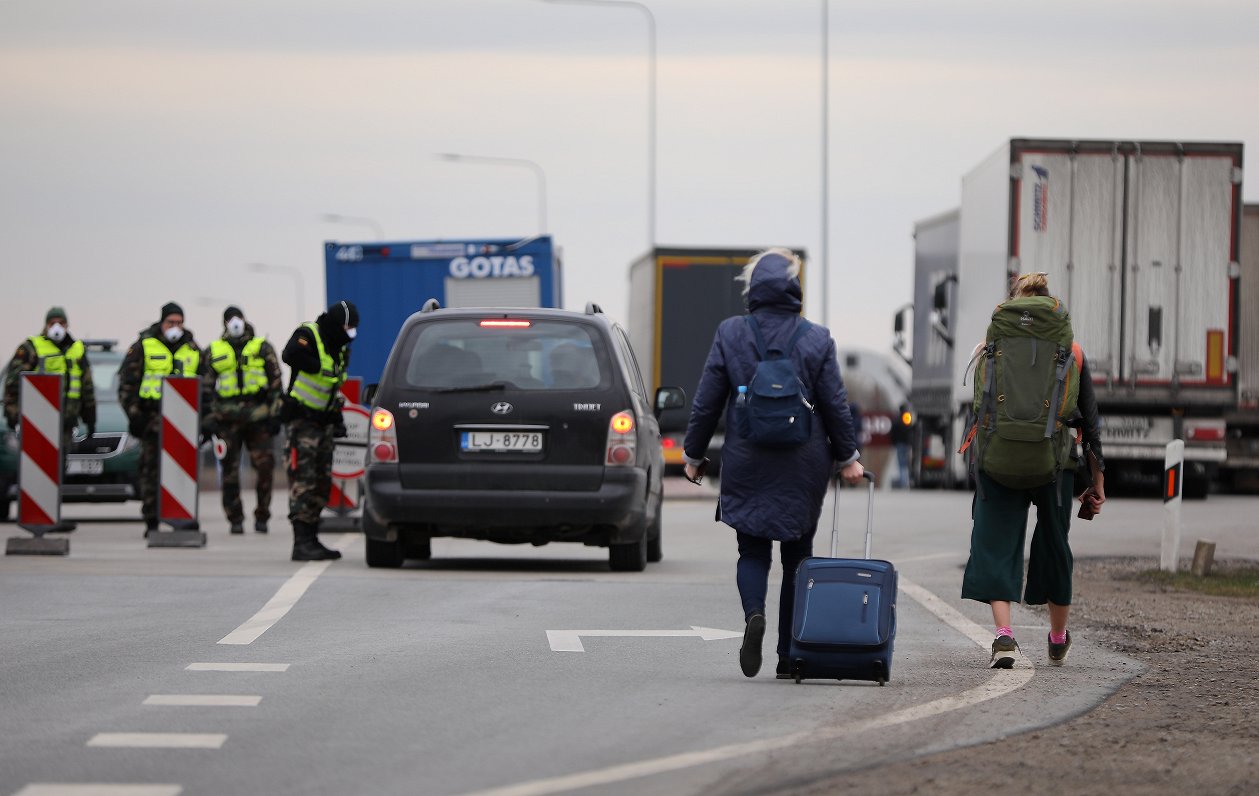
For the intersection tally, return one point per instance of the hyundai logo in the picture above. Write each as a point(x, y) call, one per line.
point(501, 408)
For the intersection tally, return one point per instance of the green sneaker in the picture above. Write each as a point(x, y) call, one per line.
point(1058, 652)
point(1003, 649)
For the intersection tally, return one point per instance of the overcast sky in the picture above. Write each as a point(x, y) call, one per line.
point(150, 149)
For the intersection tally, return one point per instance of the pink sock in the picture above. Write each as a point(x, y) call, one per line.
point(1005, 631)
point(1058, 638)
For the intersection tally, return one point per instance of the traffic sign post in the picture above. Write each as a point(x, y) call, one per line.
point(40, 467)
point(178, 485)
point(1173, 468)
point(349, 464)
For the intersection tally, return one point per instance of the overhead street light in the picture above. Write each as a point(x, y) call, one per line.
point(651, 101)
point(297, 278)
point(455, 157)
point(337, 218)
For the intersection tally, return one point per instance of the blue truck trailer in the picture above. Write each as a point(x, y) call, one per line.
point(389, 281)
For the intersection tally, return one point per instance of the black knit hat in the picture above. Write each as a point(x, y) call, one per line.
point(232, 312)
point(170, 308)
point(343, 313)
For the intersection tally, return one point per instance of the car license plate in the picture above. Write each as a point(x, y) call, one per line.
point(500, 441)
point(84, 467)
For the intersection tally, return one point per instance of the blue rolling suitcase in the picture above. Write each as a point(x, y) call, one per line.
point(845, 612)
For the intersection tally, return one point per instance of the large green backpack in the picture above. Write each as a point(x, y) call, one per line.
point(1027, 384)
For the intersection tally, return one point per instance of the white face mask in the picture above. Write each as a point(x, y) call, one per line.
point(352, 332)
point(56, 333)
point(174, 333)
point(236, 326)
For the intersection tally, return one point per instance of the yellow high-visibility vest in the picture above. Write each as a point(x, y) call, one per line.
point(159, 362)
point(317, 390)
point(53, 360)
point(251, 369)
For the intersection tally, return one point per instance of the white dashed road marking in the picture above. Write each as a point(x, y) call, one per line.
point(284, 600)
point(203, 700)
point(158, 740)
point(238, 667)
point(98, 789)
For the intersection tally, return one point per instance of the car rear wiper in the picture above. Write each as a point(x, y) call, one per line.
point(494, 386)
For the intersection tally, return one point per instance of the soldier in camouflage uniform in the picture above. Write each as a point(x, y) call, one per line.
point(54, 351)
point(318, 354)
point(243, 378)
point(163, 349)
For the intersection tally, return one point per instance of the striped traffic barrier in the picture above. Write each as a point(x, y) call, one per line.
point(177, 468)
point(40, 466)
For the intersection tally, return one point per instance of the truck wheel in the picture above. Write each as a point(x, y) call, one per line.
point(630, 557)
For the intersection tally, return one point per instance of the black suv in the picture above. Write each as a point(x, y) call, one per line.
point(514, 425)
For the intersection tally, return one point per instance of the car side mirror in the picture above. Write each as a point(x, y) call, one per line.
point(369, 394)
point(669, 398)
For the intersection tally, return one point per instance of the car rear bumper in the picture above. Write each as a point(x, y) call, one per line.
point(615, 511)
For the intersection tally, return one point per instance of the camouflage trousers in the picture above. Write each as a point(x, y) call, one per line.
point(260, 443)
point(310, 469)
point(147, 475)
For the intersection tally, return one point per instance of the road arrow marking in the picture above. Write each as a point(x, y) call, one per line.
point(570, 640)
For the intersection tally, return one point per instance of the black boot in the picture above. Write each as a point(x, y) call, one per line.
point(306, 546)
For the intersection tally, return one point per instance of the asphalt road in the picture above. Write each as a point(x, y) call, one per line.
point(442, 678)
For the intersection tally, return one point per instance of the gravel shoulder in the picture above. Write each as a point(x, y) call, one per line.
point(1188, 724)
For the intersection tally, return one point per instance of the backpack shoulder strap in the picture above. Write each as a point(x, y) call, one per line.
point(757, 336)
point(801, 328)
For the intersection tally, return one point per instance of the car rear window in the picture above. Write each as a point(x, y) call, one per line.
point(533, 355)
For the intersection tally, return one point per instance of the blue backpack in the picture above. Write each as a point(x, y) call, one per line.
point(774, 412)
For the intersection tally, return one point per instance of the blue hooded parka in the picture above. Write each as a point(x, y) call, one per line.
point(772, 493)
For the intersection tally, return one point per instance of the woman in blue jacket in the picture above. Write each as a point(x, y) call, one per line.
point(771, 494)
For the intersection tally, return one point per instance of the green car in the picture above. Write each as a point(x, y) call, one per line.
point(102, 469)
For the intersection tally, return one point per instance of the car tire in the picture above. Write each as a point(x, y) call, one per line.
point(655, 540)
point(630, 557)
point(387, 555)
point(380, 553)
point(420, 548)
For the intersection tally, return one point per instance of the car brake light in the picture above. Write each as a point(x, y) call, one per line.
point(382, 437)
point(622, 445)
point(668, 443)
point(506, 324)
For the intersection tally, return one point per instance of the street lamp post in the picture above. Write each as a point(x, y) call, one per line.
point(537, 170)
point(651, 102)
point(337, 218)
point(826, 193)
point(297, 277)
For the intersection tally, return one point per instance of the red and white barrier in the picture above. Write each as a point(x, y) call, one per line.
point(39, 470)
point(181, 425)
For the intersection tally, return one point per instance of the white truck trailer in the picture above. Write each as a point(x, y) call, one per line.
point(1141, 240)
point(1243, 425)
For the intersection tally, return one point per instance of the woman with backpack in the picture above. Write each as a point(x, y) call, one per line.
point(1016, 465)
point(784, 437)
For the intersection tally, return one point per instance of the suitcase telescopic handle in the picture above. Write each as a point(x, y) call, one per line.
point(869, 476)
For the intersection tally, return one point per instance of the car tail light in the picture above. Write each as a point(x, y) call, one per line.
point(668, 442)
point(507, 323)
point(382, 438)
point(622, 440)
